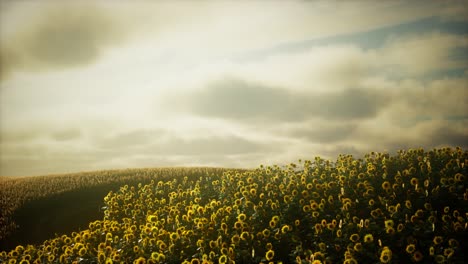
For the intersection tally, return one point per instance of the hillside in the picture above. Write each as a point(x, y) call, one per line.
point(63, 203)
point(411, 207)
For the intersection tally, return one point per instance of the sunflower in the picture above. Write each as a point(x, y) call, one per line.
point(408, 204)
point(318, 228)
point(19, 249)
point(272, 224)
point(358, 247)
point(386, 256)
point(222, 259)
point(241, 217)
point(414, 181)
point(389, 223)
point(392, 209)
point(390, 230)
point(274, 206)
point(354, 238)
point(136, 249)
point(116, 257)
point(213, 244)
point(285, 229)
point(174, 236)
point(245, 235)
point(322, 246)
point(410, 248)
point(63, 258)
point(453, 242)
point(224, 227)
point(338, 233)
point(224, 251)
point(314, 206)
point(400, 227)
point(270, 254)
point(140, 260)
point(350, 261)
point(448, 252)
point(162, 246)
point(437, 240)
point(419, 213)
point(386, 185)
point(82, 251)
point(321, 206)
point(235, 239)
point(101, 257)
point(439, 259)
point(155, 256)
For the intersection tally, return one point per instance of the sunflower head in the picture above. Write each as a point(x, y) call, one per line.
point(270, 254)
point(410, 248)
point(354, 238)
point(437, 240)
point(368, 238)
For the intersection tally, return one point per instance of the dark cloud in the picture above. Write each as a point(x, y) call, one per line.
point(448, 136)
point(236, 99)
point(58, 35)
point(350, 104)
point(239, 100)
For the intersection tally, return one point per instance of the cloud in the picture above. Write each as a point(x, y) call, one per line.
point(416, 100)
point(422, 54)
point(53, 35)
point(132, 139)
point(165, 142)
point(227, 145)
point(322, 132)
point(247, 101)
point(66, 135)
point(449, 135)
point(57, 35)
point(18, 135)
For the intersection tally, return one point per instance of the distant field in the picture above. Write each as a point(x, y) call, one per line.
point(411, 207)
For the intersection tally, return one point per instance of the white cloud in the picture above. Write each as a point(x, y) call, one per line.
point(422, 54)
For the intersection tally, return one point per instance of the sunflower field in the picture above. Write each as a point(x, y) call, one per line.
point(410, 207)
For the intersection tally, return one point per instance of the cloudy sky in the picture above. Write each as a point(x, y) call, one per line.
point(117, 84)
